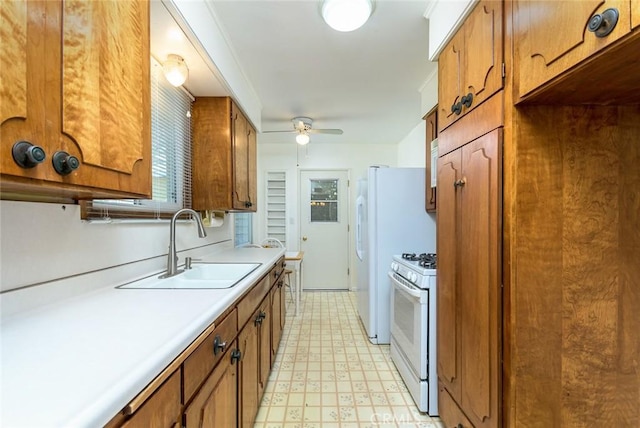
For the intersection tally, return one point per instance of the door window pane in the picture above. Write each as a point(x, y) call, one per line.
point(324, 200)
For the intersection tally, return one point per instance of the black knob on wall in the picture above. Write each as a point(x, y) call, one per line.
point(603, 24)
point(27, 155)
point(64, 163)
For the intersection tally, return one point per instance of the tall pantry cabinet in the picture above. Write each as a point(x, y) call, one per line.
point(469, 223)
point(538, 304)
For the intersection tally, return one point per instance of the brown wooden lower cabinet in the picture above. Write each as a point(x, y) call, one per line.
point(219, 380)
point(162, 409)
point(215, 405)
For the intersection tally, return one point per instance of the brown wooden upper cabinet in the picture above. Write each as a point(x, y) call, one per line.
point(553, 36)
point(224, 157)
point(75, 111)
point(431, 134)
point(472, 60)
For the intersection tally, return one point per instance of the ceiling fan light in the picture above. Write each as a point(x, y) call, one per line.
point(346, 15)
point(175, 70)
point(302, 138)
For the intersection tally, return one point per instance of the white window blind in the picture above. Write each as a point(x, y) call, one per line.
point(171, 157)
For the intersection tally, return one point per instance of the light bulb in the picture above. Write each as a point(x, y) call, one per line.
point(346, 15)
point(302, 138)
point(175, 70)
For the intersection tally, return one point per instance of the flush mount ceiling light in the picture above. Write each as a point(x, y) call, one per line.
point(302, 138)
point(346, 15)
point(175, 70)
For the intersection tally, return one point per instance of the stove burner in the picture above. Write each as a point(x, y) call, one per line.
point(426, 260)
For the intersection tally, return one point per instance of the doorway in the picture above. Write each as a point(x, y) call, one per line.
point(324, 229)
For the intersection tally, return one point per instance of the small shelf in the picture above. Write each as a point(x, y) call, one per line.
point(276, 200)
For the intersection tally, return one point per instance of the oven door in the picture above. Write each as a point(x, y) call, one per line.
point(410, 323)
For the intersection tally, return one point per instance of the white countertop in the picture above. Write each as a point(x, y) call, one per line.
point(78, 361)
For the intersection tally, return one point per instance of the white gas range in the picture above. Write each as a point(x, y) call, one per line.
point(413, 326)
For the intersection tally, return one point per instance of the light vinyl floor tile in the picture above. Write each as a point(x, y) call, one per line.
point(328, 375)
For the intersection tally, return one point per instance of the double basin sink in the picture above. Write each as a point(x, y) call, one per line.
point(202, 275)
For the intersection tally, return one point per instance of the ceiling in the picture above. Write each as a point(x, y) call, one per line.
point(366, 82)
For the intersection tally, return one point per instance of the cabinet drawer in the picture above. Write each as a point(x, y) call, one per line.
point(162, 409)
point(252, 299)
point(450, 413)
point(200, 363)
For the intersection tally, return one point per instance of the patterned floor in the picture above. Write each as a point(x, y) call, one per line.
point(327, 374)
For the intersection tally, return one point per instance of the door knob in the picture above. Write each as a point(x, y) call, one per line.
point(304, 238)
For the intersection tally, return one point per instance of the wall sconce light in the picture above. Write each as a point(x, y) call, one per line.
point(346, 15)
point(302, 138)
point(175, 70)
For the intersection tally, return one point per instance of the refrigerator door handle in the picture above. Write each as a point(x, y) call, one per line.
point(359, 214)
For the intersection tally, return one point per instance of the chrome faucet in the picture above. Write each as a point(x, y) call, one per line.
point(172, 257)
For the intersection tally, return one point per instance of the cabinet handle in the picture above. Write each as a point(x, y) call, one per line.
point(603, 24)
point(218, 345)
point(235, 356)
point(466, 100)
point(64, 163)
point(27, 155)
point(459, 183)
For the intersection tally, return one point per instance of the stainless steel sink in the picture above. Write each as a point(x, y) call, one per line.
point(201, 275)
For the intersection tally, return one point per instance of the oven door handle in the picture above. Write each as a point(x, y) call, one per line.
point(401, 287)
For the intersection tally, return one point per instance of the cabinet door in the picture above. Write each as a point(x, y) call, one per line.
point(215, 405)
point(483, 53)
point(252, 177)
point(265, 345)
point(248, 344)
point(635, 14)
point(240, 144)
point(432, 133)
point(450, 65)
point(277, 293)
point(448, 327)
point(479, 278)
point(552, 36)
point(78, 82)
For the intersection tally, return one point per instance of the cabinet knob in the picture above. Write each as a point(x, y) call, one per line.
point(235, 356)
point(459, 183)
point(218, 345)
point(456, 108)
point(466, 100)
point(64, 163)
point(27, 155)
point(248, 204)
point(603, 24)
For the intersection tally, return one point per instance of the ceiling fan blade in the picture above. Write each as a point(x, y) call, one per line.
point(273, 132)
point(325, 131)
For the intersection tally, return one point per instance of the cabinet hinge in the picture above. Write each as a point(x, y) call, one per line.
point(504, 70)
point(348, 272)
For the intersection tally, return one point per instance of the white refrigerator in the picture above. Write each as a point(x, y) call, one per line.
point(390, 219)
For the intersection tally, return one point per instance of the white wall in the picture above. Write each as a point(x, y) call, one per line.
point(283, 157)
point(45, 242)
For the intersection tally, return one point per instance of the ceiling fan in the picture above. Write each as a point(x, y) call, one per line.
point(302, 127)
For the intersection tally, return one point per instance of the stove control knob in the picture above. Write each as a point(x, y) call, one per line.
point(414, 277)
point(394, 266)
